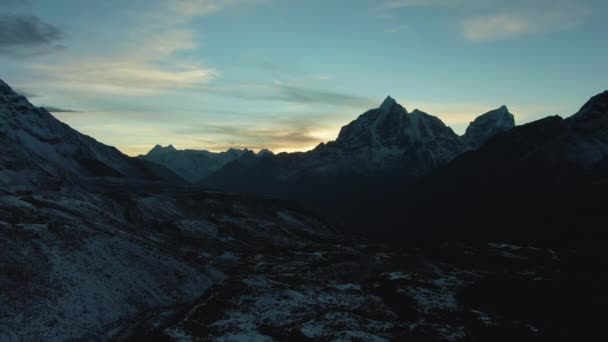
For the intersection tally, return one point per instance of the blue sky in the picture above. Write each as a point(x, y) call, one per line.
point(286, 75)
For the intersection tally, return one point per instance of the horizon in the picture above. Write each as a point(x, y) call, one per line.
point(286, 76)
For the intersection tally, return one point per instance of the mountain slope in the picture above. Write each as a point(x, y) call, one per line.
point(39, 150)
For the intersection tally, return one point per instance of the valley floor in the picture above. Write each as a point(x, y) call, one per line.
point(203, 266)
point(362, 292)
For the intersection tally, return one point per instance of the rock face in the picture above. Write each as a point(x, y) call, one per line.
point(487, 126)
point(192, 165)
point(38, 150)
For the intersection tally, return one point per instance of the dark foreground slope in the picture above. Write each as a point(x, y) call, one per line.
point(544, 181)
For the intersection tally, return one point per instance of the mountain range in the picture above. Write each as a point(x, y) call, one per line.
point(382, 147)
point(494, 235)
point(194, 165)
point(389, 158)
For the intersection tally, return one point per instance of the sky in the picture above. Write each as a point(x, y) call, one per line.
point(287, 74)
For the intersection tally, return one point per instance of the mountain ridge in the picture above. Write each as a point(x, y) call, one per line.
point(50, 152)
point(381, 145)
point(380, 139)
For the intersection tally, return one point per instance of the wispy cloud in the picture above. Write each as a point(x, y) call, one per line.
point(28, 35)
point(149, 56)
point(279, 133)
point(292, 93)
point(506, 26)
point(54, 109)
point(481, 29)
point(254, 138)
point(25, 92)
point(490, 20)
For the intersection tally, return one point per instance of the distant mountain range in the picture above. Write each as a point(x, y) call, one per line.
point(389, 159)
point(384, 146)
point(194, 165)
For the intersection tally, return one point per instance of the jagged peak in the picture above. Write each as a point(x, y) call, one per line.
point(496, 114)
point(388, 103)
point(487, 125)
point(160, 149)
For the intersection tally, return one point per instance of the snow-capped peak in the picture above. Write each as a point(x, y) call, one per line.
point(487, 126)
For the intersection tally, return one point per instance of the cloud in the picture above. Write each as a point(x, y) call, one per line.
point(28, 35)
point(279, 133)
point(151, 55)
point(482, 29)
point(287, 92)
point(126, 77)
point(59, 110)
point(278, 139)
point(26, 93)
point(491, 20)
point(292, 93)
point(507, 26)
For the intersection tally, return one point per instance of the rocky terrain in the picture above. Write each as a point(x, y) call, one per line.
point(337, 291)
point(89, 265)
